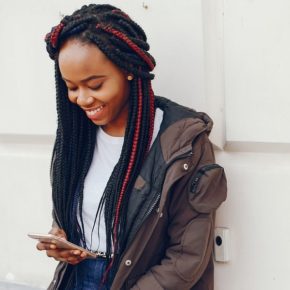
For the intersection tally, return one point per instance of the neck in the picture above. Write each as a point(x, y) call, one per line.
point(117, 127)
point(114, 131)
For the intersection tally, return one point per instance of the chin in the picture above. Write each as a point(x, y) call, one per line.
point(99, 123)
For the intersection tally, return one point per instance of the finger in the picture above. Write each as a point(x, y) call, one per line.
point(75, 260)
point(83, 255)
point(57, 253)
point(45, 246)
point(79, 253)
point(64, 257)
point(69, 256)
point(69, 253)
point(40, 247)
point(76, 252)
point(51, 253)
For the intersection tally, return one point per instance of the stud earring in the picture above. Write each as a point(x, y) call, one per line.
point(130, 77)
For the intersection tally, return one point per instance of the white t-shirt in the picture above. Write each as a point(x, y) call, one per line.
point(106, 155)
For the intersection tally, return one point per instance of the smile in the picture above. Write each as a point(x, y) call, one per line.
point(95, 113)
point(92, 112)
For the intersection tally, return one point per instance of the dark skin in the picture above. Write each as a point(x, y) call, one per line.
point(69, 256)
point(96, 84)
point(101, 89)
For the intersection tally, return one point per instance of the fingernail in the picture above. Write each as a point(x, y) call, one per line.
point(52, 246)
point(76, 252)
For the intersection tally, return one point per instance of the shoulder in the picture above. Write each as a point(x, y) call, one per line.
point(181, 127)
point(184, 129)
point(177, 115)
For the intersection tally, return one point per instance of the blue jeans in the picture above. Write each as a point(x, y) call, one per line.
point(89, 274)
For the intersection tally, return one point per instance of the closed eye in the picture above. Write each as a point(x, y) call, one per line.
point(72, 89)
point(97, 87)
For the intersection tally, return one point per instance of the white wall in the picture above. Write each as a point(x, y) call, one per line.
point(257, 152)
point(25, 207)
point(229, 58)
point(257, 69)
point(179, 58)
point(257, 213)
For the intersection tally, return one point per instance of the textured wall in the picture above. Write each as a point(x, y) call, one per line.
point(229, 58)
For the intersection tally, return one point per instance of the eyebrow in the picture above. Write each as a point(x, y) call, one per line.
point(86, 79)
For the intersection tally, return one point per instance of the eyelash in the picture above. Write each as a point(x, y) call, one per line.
point(72, 90)
point(94, 88)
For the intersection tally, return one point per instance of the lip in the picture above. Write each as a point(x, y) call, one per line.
point(92, 109)
point(95, 113)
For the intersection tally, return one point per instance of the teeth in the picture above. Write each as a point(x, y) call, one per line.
point(99, 108)
point(90, 113)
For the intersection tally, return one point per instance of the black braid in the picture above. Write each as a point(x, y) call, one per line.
point(76, 134)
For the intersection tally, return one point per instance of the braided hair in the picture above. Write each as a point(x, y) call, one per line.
point(124, 42)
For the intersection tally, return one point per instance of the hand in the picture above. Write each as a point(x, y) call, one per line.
point(63, 255)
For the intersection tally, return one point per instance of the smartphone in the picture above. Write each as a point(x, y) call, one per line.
point(60, 243)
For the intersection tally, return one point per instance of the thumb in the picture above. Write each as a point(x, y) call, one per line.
point(58, 232)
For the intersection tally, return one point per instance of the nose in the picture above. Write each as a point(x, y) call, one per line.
point(84, 99)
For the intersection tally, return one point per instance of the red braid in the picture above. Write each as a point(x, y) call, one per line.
point(55, 33)
point(129, 42)
point(132, 158)
point(117, 11)
point(127, 176)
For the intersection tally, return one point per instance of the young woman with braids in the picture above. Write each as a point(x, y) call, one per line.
point(133, 175)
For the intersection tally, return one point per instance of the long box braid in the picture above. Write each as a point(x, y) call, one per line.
point(124, 42)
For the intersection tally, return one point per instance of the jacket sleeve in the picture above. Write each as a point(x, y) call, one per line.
point(191, 225)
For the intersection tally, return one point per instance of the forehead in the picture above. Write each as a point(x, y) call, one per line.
point(77, 60)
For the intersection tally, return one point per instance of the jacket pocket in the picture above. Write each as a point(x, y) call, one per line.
point(194, 252)
point(208, 188)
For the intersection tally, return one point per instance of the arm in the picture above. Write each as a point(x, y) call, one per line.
point(192, 211)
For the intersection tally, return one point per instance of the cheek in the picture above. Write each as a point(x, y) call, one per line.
point(111, 90)
point(117, 88)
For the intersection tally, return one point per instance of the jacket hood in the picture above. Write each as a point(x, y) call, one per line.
point(179, 128)
point(174, 112)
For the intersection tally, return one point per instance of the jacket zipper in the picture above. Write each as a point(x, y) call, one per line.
point(187, 154)
point(151, 208)
point(200, 173)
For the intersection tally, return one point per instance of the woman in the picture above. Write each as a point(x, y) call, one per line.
point(133, 175)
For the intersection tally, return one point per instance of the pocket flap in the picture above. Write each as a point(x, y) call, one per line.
point(208, 188)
